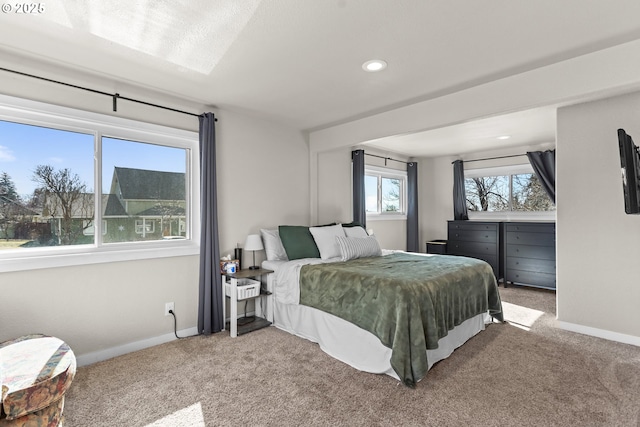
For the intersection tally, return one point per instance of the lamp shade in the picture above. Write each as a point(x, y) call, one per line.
point(253, 243)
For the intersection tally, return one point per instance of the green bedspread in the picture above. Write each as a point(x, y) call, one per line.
point(408, 301)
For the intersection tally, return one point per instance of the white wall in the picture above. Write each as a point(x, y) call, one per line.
point(598, 245)
point(331, 192)
point(436, 199)
point(263, 180)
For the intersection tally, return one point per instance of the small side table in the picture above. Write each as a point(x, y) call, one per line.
point(437, 247)
point(232, 293)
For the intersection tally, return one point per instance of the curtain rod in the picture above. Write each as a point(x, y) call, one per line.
point(387, 158)
point(492, 158)
point(114, 96)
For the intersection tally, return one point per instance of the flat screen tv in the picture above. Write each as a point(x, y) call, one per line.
point(630, 168)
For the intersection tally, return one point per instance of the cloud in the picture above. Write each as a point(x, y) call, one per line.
point(6, 155)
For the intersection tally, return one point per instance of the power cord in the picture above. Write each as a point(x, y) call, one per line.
point(246, 320)
point(175, 326)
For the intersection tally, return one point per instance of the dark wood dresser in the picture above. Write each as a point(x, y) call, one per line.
point(476, 239)
point(530, 254)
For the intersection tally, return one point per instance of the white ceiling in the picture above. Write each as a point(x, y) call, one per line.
point(299, 61)
point(524, 128)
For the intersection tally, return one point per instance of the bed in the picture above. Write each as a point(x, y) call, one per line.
point(387, 312)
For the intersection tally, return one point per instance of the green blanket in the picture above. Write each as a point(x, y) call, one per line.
point(408, 301)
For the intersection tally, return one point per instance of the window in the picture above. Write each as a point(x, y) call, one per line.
point(385, 192)
point(73, 182)
point(144, 185)
point(509, 189)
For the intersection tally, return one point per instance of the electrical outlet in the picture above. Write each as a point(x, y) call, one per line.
point(168, 306)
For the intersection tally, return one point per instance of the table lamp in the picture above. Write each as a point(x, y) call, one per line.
point(253, 243)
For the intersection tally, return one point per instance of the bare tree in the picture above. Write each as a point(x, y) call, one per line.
point(65, 198)
point(486, 193)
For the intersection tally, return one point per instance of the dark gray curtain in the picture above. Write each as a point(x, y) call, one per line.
point(210, 298)
point(459, 194)
point(359, 202)
point(412, 208)
point(544, 165)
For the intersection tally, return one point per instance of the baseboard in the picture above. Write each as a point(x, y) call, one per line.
point(98, 356)
point(600, 333)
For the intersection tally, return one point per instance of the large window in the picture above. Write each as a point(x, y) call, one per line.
point(509, 189)
point(385, 191)
point(73, 182)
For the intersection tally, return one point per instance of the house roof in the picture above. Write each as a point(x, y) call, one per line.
point(113, 207)
point(141, 184)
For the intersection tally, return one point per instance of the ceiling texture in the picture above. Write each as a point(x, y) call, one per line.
point(299, 62)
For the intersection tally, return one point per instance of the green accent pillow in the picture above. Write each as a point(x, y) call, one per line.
point(298, 242)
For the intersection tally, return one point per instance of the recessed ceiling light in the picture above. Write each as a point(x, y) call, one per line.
point(504, 137)
point(374, 65)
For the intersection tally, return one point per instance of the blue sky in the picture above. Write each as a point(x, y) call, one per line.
point(23, 147)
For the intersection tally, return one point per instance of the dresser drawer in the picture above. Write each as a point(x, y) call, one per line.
point(527, 238)
point(532, 264)
point(473, 236)
point(531, 228)
point(471, 248)
point(473, 226)
point(530, 251)
point(544, 280)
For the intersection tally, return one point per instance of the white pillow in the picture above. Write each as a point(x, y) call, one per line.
point(325, 238)
point(358, 247)
point(273, 245)
point(355, 231)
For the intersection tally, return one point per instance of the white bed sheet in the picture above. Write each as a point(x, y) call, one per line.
point(347, 342)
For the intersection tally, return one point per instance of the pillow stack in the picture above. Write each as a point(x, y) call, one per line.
point(333, 241)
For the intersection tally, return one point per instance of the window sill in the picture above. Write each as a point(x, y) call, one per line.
point(513, 216)
point(388, 217)
point(69, 259)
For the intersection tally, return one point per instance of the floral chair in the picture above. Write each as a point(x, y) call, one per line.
point(35, 373)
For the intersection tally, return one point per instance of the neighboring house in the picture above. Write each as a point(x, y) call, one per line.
point(16, 219)
point(144, 205)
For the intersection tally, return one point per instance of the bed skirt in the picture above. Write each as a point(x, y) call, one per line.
point(356, 347)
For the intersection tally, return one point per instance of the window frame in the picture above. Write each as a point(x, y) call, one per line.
point(507, 215)
point(34, 113)
point(389, 173)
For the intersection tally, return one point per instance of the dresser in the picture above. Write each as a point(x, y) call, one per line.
point(530, 254)
point(476, 239)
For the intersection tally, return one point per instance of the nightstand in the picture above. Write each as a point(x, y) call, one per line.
point(240, 286)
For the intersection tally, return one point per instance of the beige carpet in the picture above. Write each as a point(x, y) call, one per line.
point(505, 376)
